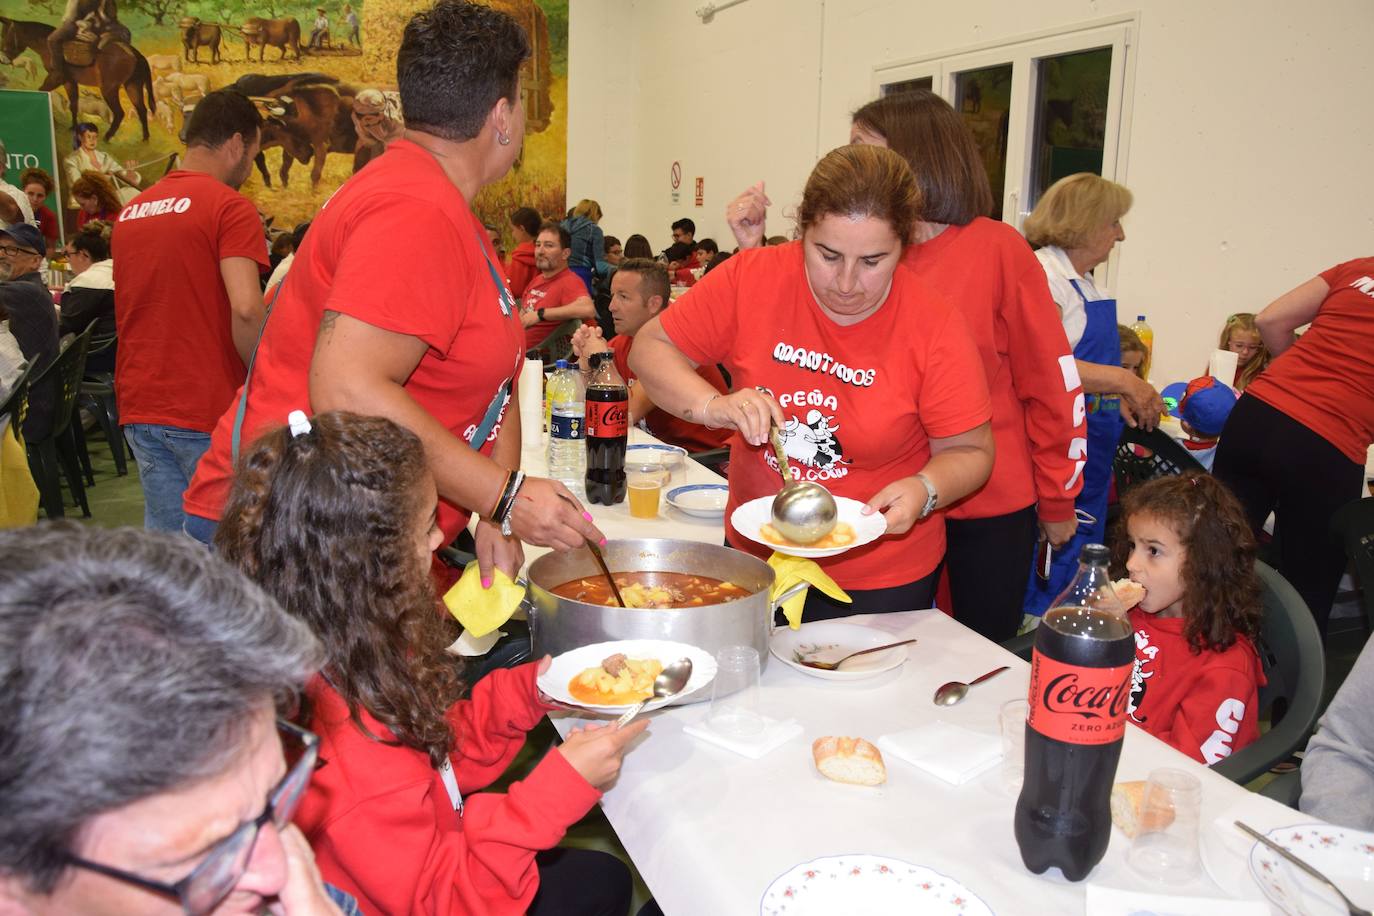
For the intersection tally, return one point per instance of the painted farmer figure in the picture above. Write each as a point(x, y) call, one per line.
point(87, 20)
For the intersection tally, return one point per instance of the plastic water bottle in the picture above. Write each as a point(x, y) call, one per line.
point(567, 426)
point(1147, 337)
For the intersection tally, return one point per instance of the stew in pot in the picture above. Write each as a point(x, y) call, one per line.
point(648, 589)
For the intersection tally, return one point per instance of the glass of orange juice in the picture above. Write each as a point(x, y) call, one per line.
point(645, 483)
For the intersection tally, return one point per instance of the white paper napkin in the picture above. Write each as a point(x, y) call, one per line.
point(469, 646)
point(1222, 365)
point(1111, 901)
point(946, 751)
point(774, 735)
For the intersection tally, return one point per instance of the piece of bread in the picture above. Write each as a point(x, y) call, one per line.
point(1126, 800)
point(851, 760)
point(1130, 593)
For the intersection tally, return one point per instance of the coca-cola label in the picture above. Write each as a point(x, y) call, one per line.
point(1078, 705)
point(608, 419)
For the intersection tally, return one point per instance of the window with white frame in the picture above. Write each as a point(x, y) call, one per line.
point(1039, 107)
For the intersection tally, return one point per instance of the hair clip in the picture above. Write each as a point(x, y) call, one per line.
point(299, 423)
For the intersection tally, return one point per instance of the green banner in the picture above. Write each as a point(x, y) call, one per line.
point(26, 127)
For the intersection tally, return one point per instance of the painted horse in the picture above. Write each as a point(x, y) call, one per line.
point(116, 64)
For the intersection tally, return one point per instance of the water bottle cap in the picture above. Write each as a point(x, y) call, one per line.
point(1095, 553)
point(1139, 317)
point(561, 364)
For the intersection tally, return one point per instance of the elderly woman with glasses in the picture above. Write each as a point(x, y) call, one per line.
point(145, 770)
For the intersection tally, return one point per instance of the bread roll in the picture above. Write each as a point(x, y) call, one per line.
point(851, 760)
point(1130, 593)
point(1126, 801)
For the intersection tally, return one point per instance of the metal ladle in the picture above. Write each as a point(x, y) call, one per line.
point(803, 512)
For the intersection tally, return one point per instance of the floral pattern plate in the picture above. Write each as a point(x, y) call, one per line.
point(869, 885)
point(1344, 856)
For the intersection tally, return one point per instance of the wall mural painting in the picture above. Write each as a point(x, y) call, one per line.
point(322, 73)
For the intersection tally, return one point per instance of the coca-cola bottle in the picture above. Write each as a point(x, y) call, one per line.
point(1079, 687)
point(608, 426)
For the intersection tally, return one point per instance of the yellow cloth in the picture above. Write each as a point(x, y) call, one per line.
point(481, 610)
point(788, 571)
point(18, 495)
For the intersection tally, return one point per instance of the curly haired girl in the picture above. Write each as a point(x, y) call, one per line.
point(1197, 674)
point(335, 517)
point(1241, 336)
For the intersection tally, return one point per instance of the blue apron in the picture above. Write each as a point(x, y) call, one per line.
point(1100, 343)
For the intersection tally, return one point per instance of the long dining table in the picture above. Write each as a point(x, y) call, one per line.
point(709, 830)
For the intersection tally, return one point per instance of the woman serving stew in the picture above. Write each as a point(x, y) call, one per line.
point(872, 377)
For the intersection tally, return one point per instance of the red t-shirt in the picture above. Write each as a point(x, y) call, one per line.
point(546, 293)
point(520, 269)
point(176, 364)
point(1325, 380)
point(861, 401)
point(47, 224)
point(1205, 704)
point(348, 264)
point(989, 272)
point(674, 430)
point(384, 828)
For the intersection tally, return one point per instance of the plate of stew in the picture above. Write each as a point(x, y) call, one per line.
point(852, 528)
point(583, 677)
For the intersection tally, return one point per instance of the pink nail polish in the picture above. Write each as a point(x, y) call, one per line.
point(587, 516)
point(603, 542)
point(486, 583)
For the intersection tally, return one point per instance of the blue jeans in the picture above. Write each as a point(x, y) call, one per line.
point(167, 458)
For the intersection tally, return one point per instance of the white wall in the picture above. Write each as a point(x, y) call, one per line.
point(1251, 137)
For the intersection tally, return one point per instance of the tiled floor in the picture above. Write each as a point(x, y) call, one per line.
point(119, 501)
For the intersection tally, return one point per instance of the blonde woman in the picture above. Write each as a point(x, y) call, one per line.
point(1074, 227)
point(588, 259)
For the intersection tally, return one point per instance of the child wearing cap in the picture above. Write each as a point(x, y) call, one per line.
point(1202, 407)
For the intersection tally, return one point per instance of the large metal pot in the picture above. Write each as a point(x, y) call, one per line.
point(560, 624)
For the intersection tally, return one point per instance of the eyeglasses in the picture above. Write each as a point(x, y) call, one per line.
point(212, 880)
point(10, 251)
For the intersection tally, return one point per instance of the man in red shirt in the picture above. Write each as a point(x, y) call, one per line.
point(557, 294)
point(520, 269)
point(639, 291)
point(190, 304)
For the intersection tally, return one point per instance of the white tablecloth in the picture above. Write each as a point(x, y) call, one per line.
point(709, 830)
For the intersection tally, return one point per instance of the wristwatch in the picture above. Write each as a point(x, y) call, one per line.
point(932, 497)
point(540, 314)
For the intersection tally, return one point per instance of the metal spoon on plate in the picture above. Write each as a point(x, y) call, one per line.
point(831, 666)
point(803, 512)
point(669, 683)
point(954, 691)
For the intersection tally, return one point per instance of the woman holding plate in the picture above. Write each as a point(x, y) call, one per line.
point(872, 377)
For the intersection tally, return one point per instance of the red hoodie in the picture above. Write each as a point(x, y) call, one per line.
point(1205, 704)
point(987, 270)
point(520, 269)
point(384, 827)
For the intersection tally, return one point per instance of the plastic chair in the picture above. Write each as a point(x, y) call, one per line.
point(59, 446)
point(558, 345)
point(1142, 456)
point(712, 458)
point(1354, 524)
point(16, 406)
point(98, 396)
point(1294, 660)
point(1286, 789)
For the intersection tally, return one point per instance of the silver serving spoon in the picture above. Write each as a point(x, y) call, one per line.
point(803, 512)
point(954, 691)
point(669, 682)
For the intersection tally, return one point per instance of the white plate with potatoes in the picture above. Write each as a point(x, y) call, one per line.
point(587, 665)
